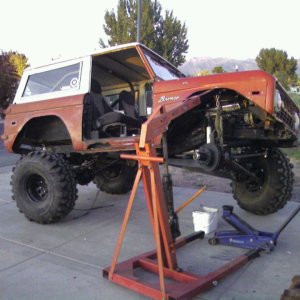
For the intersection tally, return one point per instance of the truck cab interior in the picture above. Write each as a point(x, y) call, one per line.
point(120, 95)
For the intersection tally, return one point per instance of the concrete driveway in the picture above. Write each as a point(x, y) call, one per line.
point(65, 260)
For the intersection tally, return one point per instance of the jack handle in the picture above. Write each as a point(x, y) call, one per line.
point(186, 203)
point(290, 218)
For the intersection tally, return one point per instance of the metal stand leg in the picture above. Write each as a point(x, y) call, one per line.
point(162, 261)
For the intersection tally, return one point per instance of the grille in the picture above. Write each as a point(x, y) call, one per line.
point(289, 108)
point(285, 116)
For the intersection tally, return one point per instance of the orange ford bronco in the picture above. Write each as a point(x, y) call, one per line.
point(71, 120)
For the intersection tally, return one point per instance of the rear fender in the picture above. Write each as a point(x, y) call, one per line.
point(42, 132)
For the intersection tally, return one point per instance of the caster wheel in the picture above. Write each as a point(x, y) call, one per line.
point(213, 241)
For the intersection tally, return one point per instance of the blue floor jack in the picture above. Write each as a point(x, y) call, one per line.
point(246, 236)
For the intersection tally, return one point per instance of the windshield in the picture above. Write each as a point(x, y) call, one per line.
point(162, 69)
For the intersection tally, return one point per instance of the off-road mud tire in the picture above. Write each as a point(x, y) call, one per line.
point(44, 187)
point(275, 190)
point(116, 179)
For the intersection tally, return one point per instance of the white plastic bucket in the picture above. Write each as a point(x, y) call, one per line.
point(205, 219)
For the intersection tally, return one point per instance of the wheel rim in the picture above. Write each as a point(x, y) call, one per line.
point(255, 184)
point(37, 188)
point(113, 172)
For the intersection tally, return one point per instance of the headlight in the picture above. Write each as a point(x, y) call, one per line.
point(277, 101)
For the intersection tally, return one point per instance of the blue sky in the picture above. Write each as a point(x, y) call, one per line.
point(216, 28)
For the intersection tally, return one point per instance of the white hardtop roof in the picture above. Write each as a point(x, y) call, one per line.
point(94, 53)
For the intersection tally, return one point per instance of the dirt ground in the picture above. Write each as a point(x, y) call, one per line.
point(181, 177)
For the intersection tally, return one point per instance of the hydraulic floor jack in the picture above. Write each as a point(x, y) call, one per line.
point(246, 236)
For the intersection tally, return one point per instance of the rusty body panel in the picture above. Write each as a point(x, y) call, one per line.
point(257, 86)
point(111, 144)
point(67, 109)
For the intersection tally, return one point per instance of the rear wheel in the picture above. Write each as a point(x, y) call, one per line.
point(272, 187)
point(117, 178)
point(44, 187)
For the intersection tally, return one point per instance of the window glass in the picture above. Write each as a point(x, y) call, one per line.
point(60, 79)
point(160, 70)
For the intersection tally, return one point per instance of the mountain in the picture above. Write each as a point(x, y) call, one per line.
point(196, 64)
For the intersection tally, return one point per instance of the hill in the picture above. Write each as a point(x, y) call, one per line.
point(196, 64)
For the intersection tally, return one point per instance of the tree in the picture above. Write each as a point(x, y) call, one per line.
point(19, 61)
point(277, 63)
point(12, 65)
point(173, 41)
point(218, 69)
point(164, 35)
point(203, 73)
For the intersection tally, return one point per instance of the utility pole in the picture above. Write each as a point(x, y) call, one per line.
point(139, 17)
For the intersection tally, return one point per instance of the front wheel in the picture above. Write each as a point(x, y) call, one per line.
point(272, 187)
point(44, 187)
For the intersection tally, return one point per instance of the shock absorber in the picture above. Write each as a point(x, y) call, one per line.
point(210, 138)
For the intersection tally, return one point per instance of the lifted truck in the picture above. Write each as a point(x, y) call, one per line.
point(71, 120)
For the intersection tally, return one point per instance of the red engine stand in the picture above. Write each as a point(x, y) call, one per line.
point(162, 261)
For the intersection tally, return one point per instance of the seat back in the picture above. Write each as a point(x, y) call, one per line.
point(100, 106)
point(95, 86)
point(95, 106)
point(126, 100)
